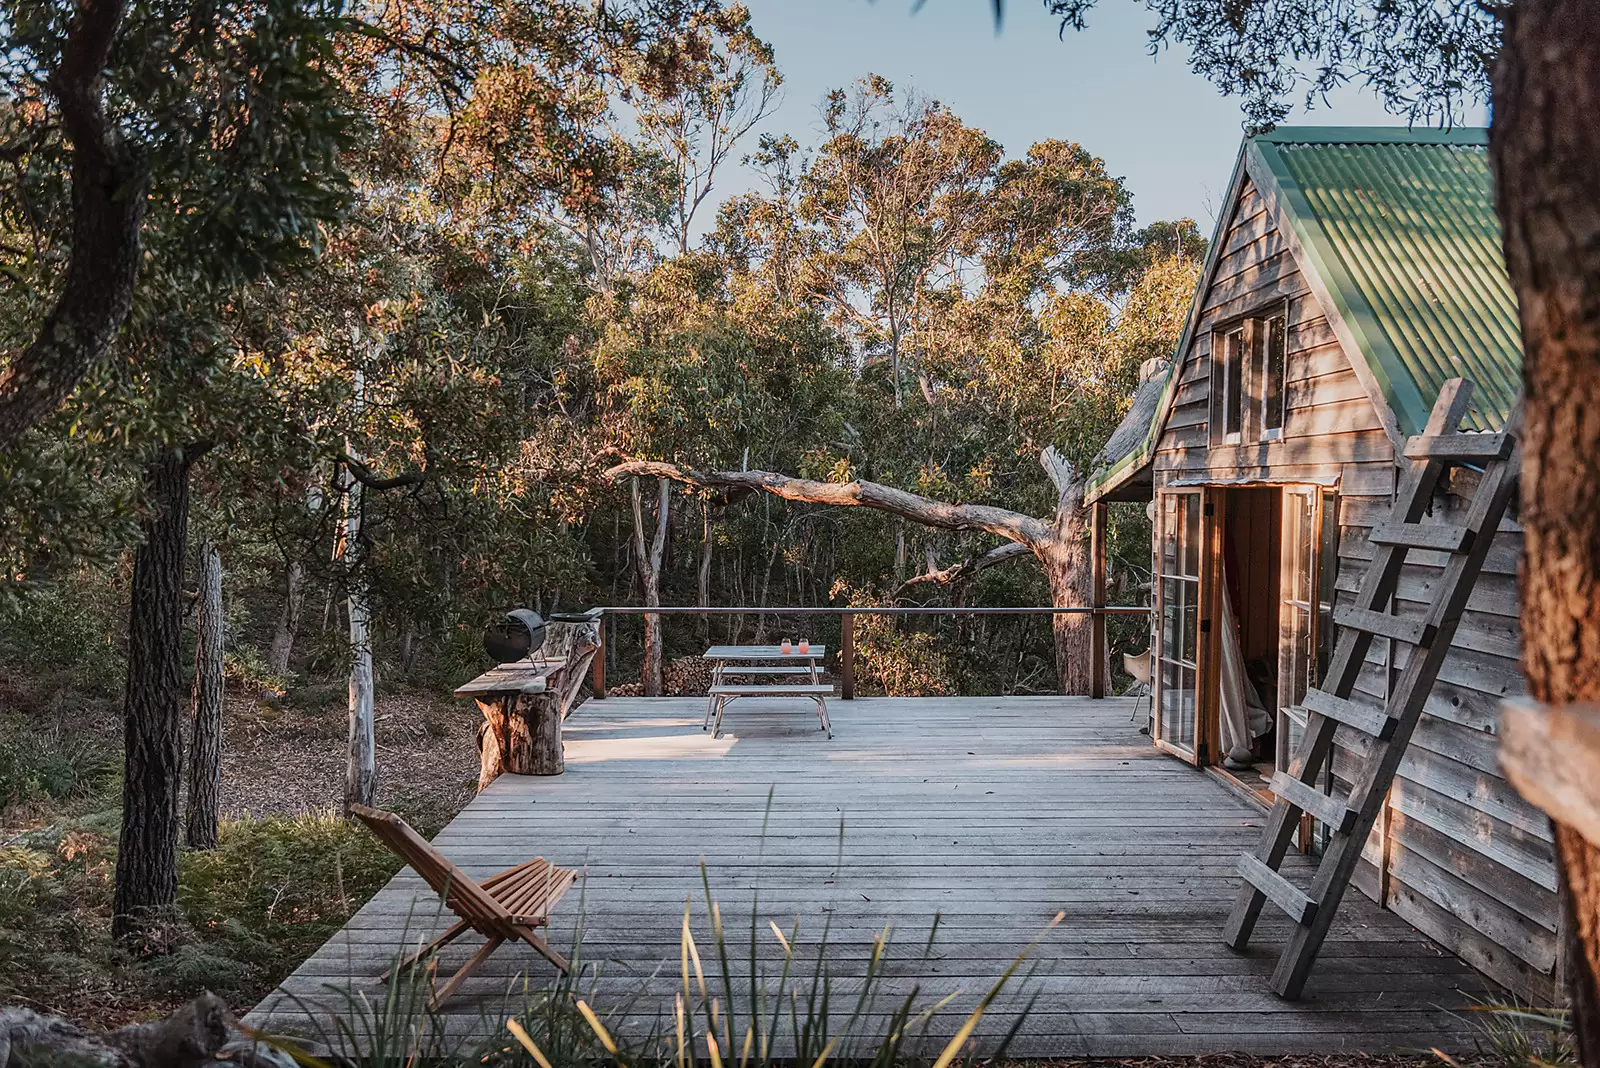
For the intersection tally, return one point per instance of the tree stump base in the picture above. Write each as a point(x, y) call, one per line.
point(521, 734)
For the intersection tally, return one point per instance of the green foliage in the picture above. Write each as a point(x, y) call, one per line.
point(72, 624)
point(1427, 61)
point(272, 892)
point(53, 882)
point(44, 768)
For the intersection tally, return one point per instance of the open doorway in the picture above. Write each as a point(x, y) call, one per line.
point(1248, 683)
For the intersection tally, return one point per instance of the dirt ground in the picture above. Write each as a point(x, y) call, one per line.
point(281, 757)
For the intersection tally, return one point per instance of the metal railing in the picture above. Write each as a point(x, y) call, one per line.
point(847, 629)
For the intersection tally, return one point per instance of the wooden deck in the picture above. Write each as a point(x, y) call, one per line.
point(993, 814)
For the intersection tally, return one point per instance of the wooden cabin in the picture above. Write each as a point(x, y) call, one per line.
point(1352, 272)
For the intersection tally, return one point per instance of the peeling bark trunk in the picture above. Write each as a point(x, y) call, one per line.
point(647, 562)
point(360, 773)
point(205, 733)
point(1545, 150)
point(361, 757)
point(146, 897)
point(1067, 571)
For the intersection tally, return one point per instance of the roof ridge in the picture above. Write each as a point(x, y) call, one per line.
point(1465, 136)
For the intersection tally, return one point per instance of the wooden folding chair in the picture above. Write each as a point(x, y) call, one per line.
point(507, 906)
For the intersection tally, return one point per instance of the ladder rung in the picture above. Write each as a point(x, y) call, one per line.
point(1373, 721)
point(1414, 631)
point(1443, 537)
point(1325, 807)
point(1479, 448)
point(1280, 891)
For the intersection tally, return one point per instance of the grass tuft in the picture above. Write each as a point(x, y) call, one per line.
point(1513, 1035)
point(37, 767)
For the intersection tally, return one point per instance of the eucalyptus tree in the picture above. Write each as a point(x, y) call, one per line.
point(125, 117)
point(164, 156)
point(729, 82)
point(1011, 382)
point(892, 201)
point(694, 367)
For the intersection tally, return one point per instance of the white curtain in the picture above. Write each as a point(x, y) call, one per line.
point(1243, 717)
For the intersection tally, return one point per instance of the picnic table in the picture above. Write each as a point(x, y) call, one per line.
point(765, 662)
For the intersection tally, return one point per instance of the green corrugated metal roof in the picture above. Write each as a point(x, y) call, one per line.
point(1404, 227)
point(1399, 225)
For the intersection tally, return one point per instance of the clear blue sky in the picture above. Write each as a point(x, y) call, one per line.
point(1168, 132)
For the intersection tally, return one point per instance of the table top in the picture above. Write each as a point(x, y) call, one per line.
point(764, 652)
point(521, 676)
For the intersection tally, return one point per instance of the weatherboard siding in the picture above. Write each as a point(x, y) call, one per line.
point(1468, 861)
point(1458, 853)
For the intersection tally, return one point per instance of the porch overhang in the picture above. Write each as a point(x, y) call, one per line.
point(1124, 469)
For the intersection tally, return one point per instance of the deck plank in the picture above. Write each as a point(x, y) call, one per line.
point(992, 814)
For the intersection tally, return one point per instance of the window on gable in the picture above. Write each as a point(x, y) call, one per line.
point(1232, 383)
point(1274, 373)
point(1249, 378)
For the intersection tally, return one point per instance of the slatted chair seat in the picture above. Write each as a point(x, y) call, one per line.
point(504, 907)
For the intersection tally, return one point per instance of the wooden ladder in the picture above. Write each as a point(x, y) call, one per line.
point(1381, 736)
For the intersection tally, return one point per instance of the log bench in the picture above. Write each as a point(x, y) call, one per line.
point(524, 703)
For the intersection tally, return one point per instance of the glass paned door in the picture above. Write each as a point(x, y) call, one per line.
point(1305, 629)
point(1178, 594)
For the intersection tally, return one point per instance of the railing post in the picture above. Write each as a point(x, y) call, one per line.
point(597, 667)
point(847, 656)
point(1097, 564)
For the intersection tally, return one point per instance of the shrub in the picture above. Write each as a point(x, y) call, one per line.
point(36, 766)
point(74, 624)
point(272, 891)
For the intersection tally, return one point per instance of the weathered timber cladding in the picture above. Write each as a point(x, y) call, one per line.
point(1458, 853)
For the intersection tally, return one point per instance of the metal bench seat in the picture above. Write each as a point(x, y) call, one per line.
point(722, 694)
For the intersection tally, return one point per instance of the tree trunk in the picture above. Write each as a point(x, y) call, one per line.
point(108, 202)
point(647, 561)
point(288, 628)
point(361, 772)
point(205, 734)
point(702, 593)
point(1066, 569)
point(1545, 150)
point(409, 646)
point(146, 895)
point(521, 734)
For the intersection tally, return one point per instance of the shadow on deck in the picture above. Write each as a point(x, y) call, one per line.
point(991, 813)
